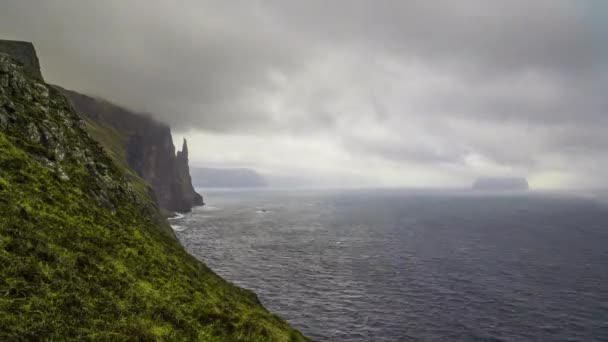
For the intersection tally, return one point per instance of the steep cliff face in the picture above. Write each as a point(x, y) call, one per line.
point(146, 146)
point(83, 253)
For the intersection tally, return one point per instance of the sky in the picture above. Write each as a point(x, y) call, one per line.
point(348, 92)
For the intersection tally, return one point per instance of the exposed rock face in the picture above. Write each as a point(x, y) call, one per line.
point(53, 133)
point(147, 149)
point(183, 176)
point(24, 53)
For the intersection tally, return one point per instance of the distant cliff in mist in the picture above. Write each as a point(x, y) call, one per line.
point(226, 178)
point(501, 183)
point(145, 145)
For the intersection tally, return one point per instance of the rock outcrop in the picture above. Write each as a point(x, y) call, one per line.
point(147, 147)
point(183, 177)
point(25, 54)
point(84, 252)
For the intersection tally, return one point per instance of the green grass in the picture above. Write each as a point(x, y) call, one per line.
point(72, 267)
point(110, 139)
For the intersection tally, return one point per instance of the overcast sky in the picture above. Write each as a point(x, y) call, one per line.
point(348, 92)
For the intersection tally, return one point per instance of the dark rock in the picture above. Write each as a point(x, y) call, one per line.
point(33, 134)
point(184, 179)
point(3, 119)
point(24, 53)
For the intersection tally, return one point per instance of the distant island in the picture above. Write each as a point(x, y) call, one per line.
point(226, 178)
point(501, 183)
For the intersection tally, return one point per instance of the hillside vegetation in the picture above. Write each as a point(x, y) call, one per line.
point(84, 251)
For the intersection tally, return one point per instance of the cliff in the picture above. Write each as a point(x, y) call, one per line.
point(84, 252)
point(144, 145)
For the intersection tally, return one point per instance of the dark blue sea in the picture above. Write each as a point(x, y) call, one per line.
point(395, 265)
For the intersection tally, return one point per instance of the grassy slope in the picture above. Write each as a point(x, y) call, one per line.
point(71, 268)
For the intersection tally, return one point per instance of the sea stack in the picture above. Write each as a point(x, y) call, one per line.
point(187, 191)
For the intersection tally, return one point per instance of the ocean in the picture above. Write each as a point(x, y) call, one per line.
point(397, 265)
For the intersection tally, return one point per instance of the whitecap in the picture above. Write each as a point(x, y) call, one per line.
point(177, 216)
point(178, 228)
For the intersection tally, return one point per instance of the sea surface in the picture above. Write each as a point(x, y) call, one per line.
point(395, 265)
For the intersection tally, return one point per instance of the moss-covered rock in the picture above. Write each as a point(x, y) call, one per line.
point(84, 251)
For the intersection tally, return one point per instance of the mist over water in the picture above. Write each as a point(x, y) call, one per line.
point(403, 265)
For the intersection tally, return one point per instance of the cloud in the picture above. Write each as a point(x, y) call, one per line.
point(449, 89)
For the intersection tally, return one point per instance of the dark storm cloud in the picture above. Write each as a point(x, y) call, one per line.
point(189, 63)
point(513, 83)
point(494, 34)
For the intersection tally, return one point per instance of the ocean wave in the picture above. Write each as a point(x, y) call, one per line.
point(176, 217)
point(178, 228)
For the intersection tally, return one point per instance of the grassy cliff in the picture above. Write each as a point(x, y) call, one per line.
point(84, 253)
point(143, 145)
